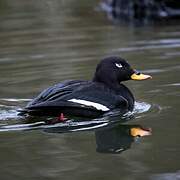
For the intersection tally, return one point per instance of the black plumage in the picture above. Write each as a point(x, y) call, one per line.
point(88, 98)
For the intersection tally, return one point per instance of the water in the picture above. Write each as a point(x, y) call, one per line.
point(45, 42)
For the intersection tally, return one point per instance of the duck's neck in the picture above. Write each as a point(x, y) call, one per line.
point(112, 84)
point(119, 88)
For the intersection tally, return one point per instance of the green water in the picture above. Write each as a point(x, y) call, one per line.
point(45, 42)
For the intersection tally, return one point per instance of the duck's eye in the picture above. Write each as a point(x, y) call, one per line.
point(118, 65)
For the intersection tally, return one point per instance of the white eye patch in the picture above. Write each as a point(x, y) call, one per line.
point(118, 65)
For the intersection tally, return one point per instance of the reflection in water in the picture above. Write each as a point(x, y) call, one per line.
point(111, 136)
point(118, 138)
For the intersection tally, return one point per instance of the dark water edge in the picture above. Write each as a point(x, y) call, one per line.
point(45, 42)
point(141, 12)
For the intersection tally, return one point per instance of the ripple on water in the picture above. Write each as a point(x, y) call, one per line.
point(141, 107)
point(9, 108)
point(9, 112)
point(14, 100)
point(166, 176)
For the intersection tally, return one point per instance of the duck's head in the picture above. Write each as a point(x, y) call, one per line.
point(112, 70)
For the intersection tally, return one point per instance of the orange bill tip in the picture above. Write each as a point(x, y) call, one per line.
point(140, 76)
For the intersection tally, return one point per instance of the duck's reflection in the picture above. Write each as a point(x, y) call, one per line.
point(111, 136)
point(118, 138)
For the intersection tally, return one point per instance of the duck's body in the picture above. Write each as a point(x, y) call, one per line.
point(87, 98)
point(80, 98)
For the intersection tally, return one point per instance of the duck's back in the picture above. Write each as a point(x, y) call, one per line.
point(76, 97)
point(57, 91)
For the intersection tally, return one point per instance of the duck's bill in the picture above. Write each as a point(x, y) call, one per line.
point(140, 132)
point(140, 76)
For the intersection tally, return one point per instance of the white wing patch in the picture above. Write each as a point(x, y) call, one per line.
point(89, 103)
point(118, 65)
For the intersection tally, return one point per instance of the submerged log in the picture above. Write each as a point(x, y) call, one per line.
point(143, 9)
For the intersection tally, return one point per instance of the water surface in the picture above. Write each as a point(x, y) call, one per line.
point(45, 42)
